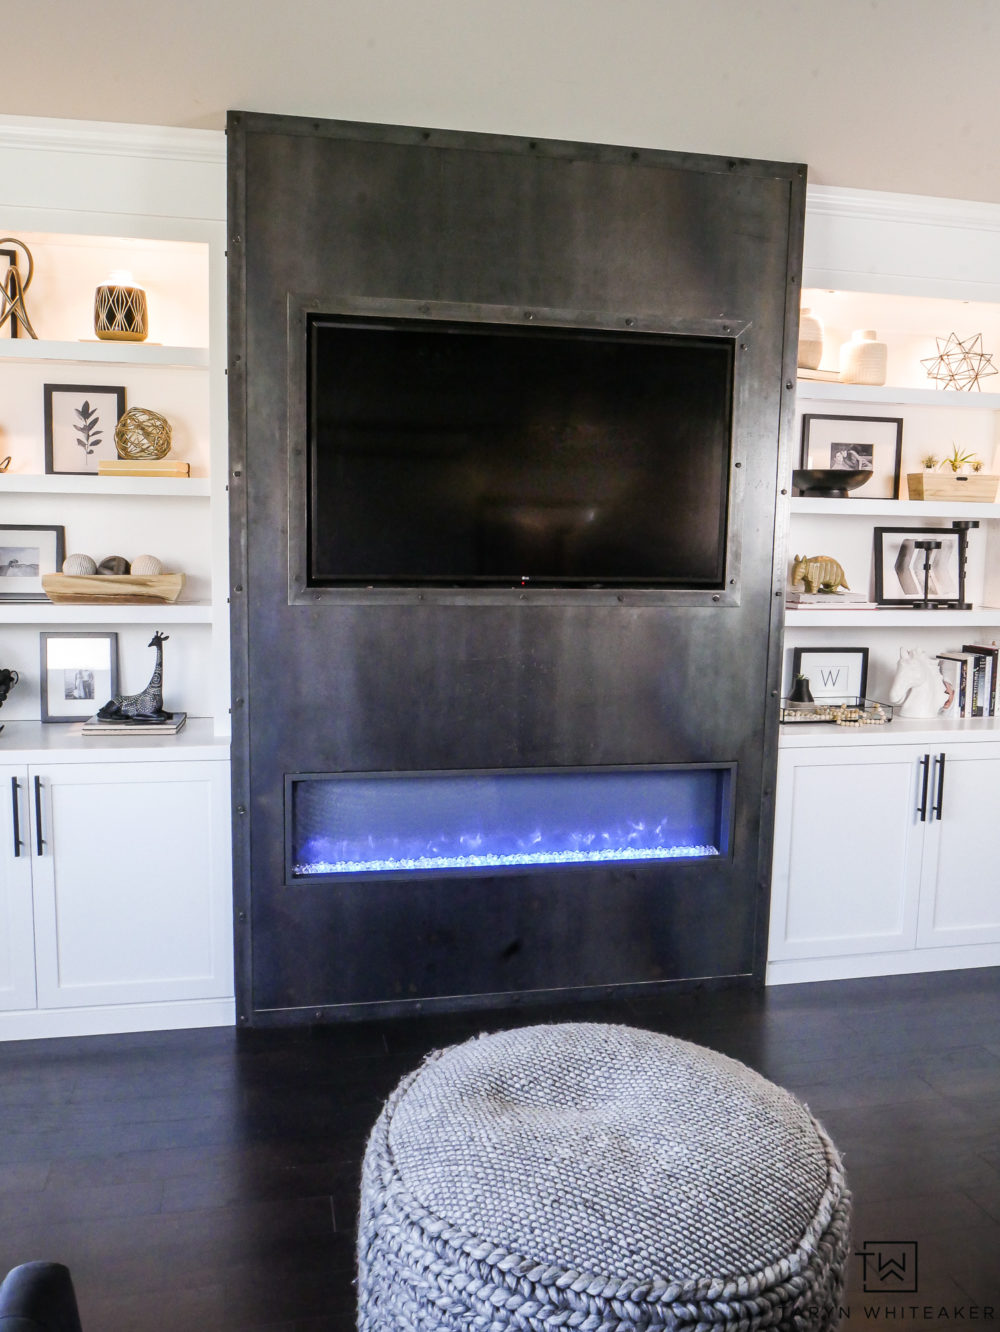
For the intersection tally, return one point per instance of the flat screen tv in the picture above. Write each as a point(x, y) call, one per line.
point(461, 454)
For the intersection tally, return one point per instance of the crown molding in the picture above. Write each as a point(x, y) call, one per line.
point(42, 134)
point(909, 209)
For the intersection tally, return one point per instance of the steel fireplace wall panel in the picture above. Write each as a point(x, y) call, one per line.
point(507, 421)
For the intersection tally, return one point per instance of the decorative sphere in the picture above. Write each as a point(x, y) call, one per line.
point(79, 565)
point(142, 434)
point(146, 565)
point(114, 564)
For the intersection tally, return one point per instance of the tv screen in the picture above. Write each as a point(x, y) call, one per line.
point(469, 454)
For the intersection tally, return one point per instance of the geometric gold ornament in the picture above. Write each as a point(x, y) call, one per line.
point(142, 434)
point(960, 364)
point(120, 313)
point(12, 290)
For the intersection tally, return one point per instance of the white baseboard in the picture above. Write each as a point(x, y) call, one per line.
point(39, 1023)
point(795, 971)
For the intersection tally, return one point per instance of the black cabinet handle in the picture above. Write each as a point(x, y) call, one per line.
point(925, 763)
point(39, 840)
point(938, 805)
point(16, 812)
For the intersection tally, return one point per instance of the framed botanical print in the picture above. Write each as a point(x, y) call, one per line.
point(80, 422)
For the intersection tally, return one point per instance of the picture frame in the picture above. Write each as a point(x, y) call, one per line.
point(835, 673)
point(78, 673)
point(899, 567)
point(856, 443)
point(80, 422)
point(27, 551)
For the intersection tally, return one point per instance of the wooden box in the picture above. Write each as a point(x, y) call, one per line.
point(112, 589)
point(974, 487)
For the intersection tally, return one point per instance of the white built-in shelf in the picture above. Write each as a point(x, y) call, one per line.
point(900, 731)
point(887, 508)
point(63, 742)
point(186, 487)
point(42, 350)
point(891, 618)
point(45, 612)
point(887, 396)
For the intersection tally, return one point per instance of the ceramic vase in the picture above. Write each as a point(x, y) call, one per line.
point(810, 341)
point(863, 359)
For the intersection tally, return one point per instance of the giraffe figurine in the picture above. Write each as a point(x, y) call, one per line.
point(147, 705)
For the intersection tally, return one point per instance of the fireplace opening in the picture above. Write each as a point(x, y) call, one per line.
point(470, 453)
point(392, 824)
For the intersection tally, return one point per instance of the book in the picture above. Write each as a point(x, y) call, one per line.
point(956, 670)
point(143, 467)
point(825, 601)
point(991, 652)
point(137, 726)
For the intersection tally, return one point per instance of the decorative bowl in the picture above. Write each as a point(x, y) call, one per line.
point(828, 483)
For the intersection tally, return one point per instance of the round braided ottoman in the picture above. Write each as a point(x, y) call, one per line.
point(597, 1178)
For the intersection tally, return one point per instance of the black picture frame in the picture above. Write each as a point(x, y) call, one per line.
point(62, 401)
point(73, 684)
point(878, 439)
point(39, 549)
point(899, 563)
point(808, 661)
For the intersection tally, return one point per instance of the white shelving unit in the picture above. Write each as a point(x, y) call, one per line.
point(85, 820)
point(886, 837)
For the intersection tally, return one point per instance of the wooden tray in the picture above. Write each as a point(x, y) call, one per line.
point(973, 487)
point(116, 589)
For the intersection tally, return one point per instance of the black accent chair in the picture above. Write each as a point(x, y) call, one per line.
point(38, 1297)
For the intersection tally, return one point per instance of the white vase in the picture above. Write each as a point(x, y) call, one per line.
point(863, 359)
point(810, 341)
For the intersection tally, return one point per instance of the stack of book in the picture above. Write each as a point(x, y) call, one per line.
point(143, 467)
point(170, 725)
point(796, 600)
point(971, 677)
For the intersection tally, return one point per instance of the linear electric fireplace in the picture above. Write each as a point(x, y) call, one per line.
point(507, 418)
point(472, 822)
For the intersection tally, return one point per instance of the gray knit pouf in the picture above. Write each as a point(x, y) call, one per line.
point(597, 1178)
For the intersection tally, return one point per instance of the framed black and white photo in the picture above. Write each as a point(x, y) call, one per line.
point(26, 552)
point(856, 444)
point(835, 674)
point(80, 422)
point(922, 568)
point(79, 674)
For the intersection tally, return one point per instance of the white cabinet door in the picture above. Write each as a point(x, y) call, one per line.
point(848, 841)
point(17, 930)
point(131, 885)
point(960, 889)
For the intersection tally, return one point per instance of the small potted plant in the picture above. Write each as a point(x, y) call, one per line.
point(959, 461)
point(930, 462)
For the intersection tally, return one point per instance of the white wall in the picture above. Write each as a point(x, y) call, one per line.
point(878, 94)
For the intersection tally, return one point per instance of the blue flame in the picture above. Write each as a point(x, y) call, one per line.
point(492, 860)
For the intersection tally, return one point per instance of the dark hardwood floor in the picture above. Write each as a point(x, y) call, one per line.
point(208, 1179)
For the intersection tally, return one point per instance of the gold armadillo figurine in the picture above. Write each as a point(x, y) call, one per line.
point(818, 573)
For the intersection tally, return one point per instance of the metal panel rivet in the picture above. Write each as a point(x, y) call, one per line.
point(716, 597)
point(241, 809)
point(737, 464)
point(238, 587)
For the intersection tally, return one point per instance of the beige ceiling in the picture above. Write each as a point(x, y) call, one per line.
point(878, 94)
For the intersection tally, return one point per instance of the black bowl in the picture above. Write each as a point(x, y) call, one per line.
point(828, 483)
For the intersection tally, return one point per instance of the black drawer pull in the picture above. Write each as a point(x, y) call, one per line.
point(16, 812)
point(39, 840)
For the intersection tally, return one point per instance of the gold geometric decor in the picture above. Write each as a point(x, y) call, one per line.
point(12, 290)
point(142, 434)
point(960, 363)
point(120, 313)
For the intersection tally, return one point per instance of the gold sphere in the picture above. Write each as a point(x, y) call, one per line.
point(142, 434)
